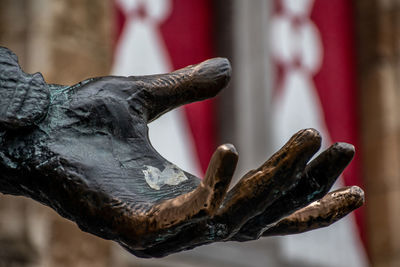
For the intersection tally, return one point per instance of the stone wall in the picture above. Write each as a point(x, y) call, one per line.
point(67, 41)
point(378, 46)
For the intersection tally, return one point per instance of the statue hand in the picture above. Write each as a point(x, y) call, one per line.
point(85, 152)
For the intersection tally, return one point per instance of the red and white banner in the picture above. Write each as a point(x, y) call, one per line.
point(312, 48)
point(159, 36)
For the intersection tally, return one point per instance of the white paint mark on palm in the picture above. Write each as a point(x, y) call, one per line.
point(171, 175)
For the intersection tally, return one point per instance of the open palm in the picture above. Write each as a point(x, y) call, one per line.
point(84, 151)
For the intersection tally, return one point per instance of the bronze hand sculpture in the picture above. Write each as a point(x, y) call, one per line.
point(84, 151)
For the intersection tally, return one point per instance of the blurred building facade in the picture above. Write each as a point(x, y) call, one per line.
point(67, 41)
point(70, 40)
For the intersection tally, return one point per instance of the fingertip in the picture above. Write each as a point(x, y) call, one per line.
point(164, 92)
point(353, 196)
point(219, 174)
point(308, 139)
point(359, 195)
point(327, 167)
point(219, 67)
point(309, 133)
point(300, 147)
point(345, 149)
point(211, 76)
point(356, 190)
point(229, 158)
point(222, 164)
point(226, 150)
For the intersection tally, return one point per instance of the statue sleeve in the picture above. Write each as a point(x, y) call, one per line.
point(24, 98)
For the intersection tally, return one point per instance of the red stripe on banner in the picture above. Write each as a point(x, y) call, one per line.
point(336, 83)
point(188, 37)
point(187, 34)
point(119, 22)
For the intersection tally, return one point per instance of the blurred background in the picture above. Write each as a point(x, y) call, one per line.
point(332, 65)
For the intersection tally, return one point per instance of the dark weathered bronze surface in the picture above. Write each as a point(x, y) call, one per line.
point(84, 151)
